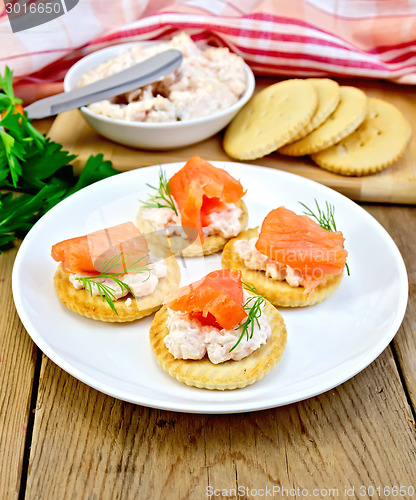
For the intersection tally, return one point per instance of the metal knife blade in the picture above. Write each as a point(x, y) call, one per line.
point(134, 77)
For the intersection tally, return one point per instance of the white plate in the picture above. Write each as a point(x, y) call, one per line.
point(327, 343)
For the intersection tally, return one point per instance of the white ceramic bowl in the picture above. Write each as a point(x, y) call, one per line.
point(168, 135)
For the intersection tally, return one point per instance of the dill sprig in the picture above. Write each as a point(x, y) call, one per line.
point(253, 307)
point(325, 219)
point(105, 291)
point(162, 197)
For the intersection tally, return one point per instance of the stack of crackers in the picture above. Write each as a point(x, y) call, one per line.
point(339, 127)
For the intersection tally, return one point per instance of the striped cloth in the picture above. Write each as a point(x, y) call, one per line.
point(351, 38)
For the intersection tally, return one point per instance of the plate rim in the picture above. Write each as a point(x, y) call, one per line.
point(197, 407)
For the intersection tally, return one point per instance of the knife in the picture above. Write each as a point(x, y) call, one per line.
point(132, 78)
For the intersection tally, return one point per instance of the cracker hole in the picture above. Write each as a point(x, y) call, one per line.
point(378, 132)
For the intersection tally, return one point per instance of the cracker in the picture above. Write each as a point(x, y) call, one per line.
point(279, 293)
point(377, 143)
point(229, 375)
point(158, 243)
point(348, 115)
point(270, 119)
point(81, 302)
point(328, 99)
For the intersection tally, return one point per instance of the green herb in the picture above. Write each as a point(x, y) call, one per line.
point(162, 197)
point(35, 172)
point(19, 213)
point(253, 306)
point(18, 136)
point(325, 219)
point(105, 291)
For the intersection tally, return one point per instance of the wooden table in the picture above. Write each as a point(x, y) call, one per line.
point(61, 439)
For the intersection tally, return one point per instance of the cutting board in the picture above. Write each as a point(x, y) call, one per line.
point(397, 184)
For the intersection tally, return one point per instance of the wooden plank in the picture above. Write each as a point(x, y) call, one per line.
point(361, 433)
point(44, 124)
point(400, 222)
point(17, 370)
point(396, 184)
point(17, 367)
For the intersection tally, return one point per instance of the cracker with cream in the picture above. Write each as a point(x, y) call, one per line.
point(213, 334)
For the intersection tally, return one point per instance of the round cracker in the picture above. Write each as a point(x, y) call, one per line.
point(270, 119)
point(229, 375)
point(81, 302)
point(348, 115)
point(210, 244)
point(377, 143)
point(328, 99)
point(279, 293)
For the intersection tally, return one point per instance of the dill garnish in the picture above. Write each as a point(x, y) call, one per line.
point(162, 197)
point(253, 307)
point(325, 219)
point(105, 291)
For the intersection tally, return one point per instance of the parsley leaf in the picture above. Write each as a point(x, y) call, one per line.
point(95, 169)
point(35, 172)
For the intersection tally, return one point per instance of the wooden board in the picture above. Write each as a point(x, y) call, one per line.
point(396, 184)
point(88, 445)
point(400, 223)
point(17, 370)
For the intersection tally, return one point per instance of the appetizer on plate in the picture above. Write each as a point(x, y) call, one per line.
point(202, 206)
point(293, 260)
point(109, 275)
point(218, 333)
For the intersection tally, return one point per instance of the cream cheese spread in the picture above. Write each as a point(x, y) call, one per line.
point(160, 218)
point(141, 284)
point(225, 223)
point(253, 259)
point(207, 81)
point(188, 339)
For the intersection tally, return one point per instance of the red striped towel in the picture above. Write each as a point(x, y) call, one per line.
point(372, 39)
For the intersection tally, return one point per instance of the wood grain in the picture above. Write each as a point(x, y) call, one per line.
point(87, 445)
point(400, 222)
point(17, 366)
point(397, 184)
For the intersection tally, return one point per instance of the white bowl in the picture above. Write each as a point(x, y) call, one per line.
point(143, 135)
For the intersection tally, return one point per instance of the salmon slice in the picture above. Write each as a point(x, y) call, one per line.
point(199, 189)
point(215, 300)
point(91, 253)
point(299, 242)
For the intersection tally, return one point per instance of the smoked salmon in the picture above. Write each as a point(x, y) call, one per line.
point(88, 253)
point(299, 242)
point(215, 300)
point(200, 189)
